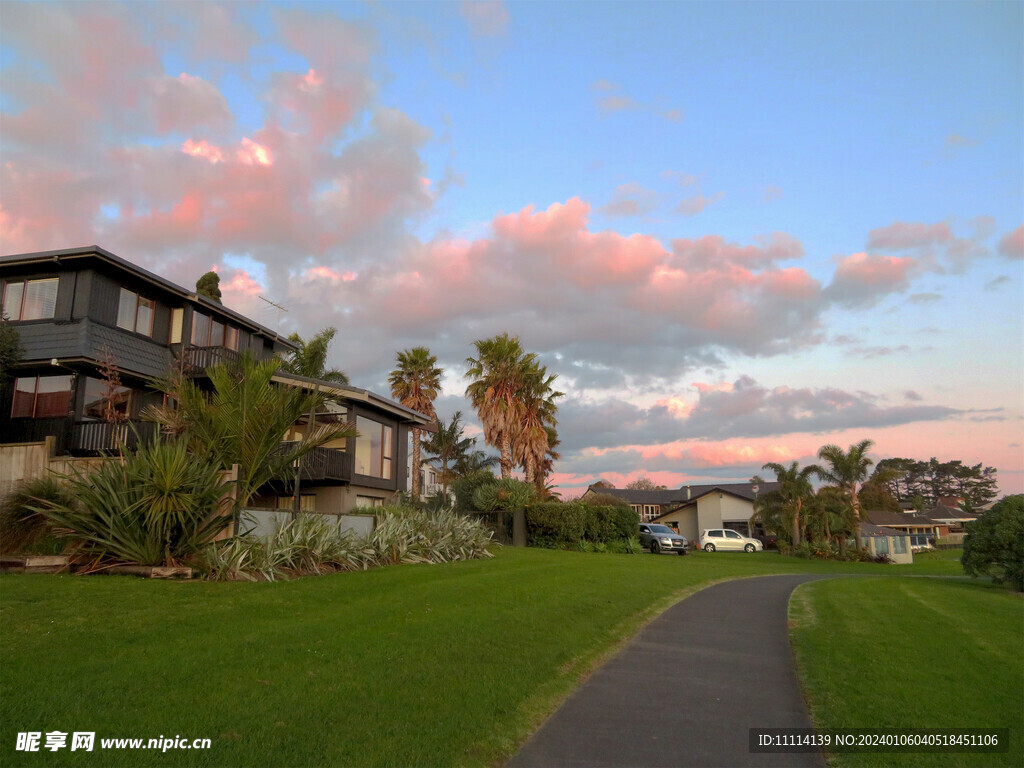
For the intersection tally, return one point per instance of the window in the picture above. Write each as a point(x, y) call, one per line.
point(41, 397)
point(369, 501)
point(373, 448)
point(231, 338)
point(899, 545)
point(881, 545)
point(651, 511)
point(732, 535)
point(200, 329)
point(307, 502)
point(135, 313)
point(30, 299)
point(177, 315)
point(207, 332)
point(101, 400)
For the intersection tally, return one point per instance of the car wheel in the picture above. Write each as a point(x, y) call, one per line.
point(709, 547)
point(749, 548)
point(655, 548)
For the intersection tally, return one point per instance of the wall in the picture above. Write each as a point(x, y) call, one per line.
point(24, 461)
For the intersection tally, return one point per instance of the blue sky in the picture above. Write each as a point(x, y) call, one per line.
point(737, 231)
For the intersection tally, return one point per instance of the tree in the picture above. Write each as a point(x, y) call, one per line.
point(310, 358)
point(209, 286)
point(415, 383)
point(499, 374)
point(644, 483)
point(846, 470)
point(449, 448)
point(530, 442)
point(601, 484)
point(10, 349)
point(907, 479)
point(875, 495)
point(994, 544)
point(788, 500)
point(244, 422)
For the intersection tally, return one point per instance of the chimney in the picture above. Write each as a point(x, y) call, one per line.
point(687, 493)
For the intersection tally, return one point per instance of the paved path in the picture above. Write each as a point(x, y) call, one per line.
point(687, 688)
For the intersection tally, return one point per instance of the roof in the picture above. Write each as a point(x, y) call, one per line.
point(944, 511)
point(870, 530)
point(95, 252)
point(356, 394)
point(883, 517)
point(687, 494)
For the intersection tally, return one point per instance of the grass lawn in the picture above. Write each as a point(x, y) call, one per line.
point(912, 654)
point(406, 666)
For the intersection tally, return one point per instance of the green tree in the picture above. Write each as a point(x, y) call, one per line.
point(530, 443)
point(499, 374)
point(788, 500)
point(994, 544)
point(310, 358)
point(415, 383)
point(209, 286)
point(846, 470)
point(448, 447)
point(244, 421)
point(906, 479)
point(10, 349)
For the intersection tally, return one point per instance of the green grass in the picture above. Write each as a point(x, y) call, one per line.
point(405, 666)
point(912, 654)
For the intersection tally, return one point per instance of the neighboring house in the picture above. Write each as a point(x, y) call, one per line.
point(78, 309)
point(948, 512)
point(429, 486)
point(879, 540)
point(922, 529)
point(693, 508)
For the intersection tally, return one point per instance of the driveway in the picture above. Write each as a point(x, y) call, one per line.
point(687, 689)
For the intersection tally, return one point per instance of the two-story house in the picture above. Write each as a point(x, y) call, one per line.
point(80, 311)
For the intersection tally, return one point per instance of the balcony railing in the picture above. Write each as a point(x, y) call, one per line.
point(325, 464)
point(100, 436)
point(195, 360)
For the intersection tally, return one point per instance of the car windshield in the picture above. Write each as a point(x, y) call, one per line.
point(661, 529)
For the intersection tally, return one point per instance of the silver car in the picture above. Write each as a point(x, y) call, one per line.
point(723, 538)
point(660, 538)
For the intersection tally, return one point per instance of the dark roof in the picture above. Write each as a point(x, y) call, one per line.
point(867, 529)
point(95, 252)
point(883, 517)
point(943, 511)
point(348, 392)
point(687, 494)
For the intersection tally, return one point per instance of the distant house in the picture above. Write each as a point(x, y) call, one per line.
point(80, 309)
point(948, 512)
point(879, 540)
point(922, 529)
point(693, 508)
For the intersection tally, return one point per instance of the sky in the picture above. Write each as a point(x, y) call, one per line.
point(735, 231)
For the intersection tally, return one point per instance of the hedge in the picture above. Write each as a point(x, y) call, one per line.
point(554, 525)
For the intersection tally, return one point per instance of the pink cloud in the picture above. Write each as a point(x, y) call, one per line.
point(186, 103)
point(691, 206)
point(1011, 245)
point(486, 18)
point(251, 153)
point(204, 150)
point(863, 279)
point(900, 236)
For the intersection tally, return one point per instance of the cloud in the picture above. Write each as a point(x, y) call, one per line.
point(935, 246)
point(1011, 245)
point(691, 206)
point(863, 280)
point(997, 282)
point(631, 199)
point(486, 18)
point(955, 141)
point(770, 193)
point(903, 236)
point(924, 298)
point(612, 98)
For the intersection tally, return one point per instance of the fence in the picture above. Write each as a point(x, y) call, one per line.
point(263, 522)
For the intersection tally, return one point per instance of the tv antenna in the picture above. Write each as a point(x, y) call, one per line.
point(280, 309)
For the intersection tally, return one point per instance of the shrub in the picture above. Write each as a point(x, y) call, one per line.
point(465, 487)
point(604, 500)
point(23, 528)
point(157, 508)
point(504, 494)
point(556, 525)
point(994, 544)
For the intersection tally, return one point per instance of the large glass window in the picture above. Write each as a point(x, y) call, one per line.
point(30, 299)
point(881, 545)
point(135, 313)
point(200, 329)
point(899, 545)
point(41, 397)
point(105, 402)
point(207, 332)
point(374, 448)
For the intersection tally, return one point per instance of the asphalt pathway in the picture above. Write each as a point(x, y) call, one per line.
point(687, 689)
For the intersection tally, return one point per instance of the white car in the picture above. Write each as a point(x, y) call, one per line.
point(722, 538)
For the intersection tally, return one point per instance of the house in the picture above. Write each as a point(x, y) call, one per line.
point(922, 529)
point(879, 540)
point(693, 508)
point(80, 311)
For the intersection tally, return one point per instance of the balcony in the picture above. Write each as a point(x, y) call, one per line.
point(195, 360)
point(325, 465)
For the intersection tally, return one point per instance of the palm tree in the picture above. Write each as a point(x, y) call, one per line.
point(499, 373)
point(530, 440)
point(846, 469)
point(793, 492)
point(310, 359)
point(415, 383)
point(244, 422)
point(449, 448)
